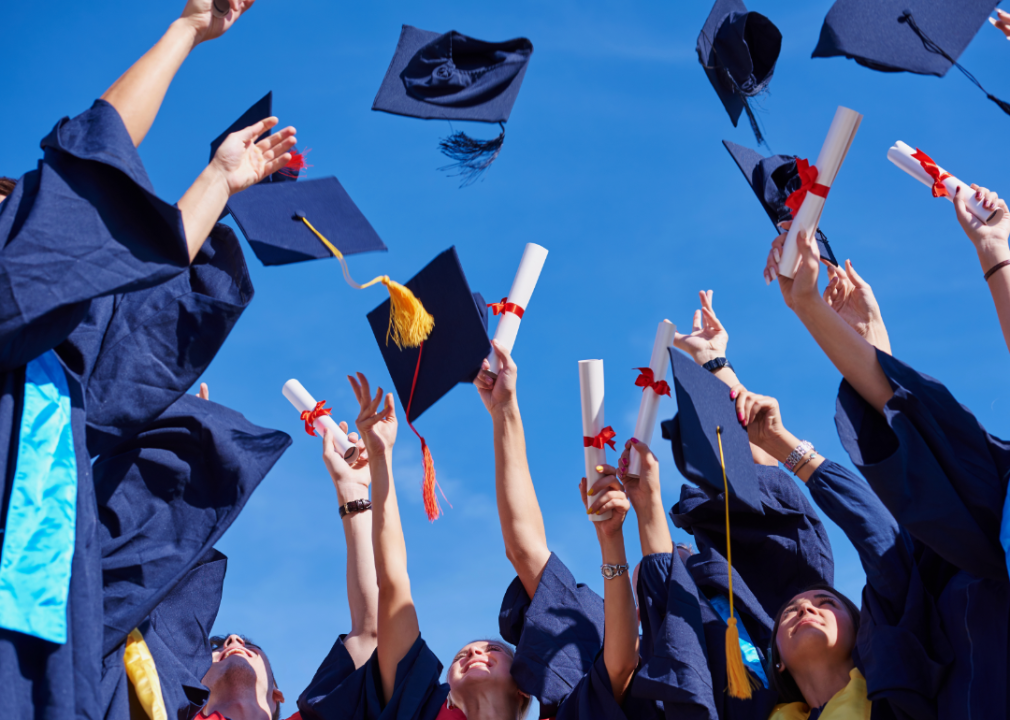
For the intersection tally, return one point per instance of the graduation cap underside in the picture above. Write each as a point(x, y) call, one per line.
point(451, 76)
point(773, 179)
point(918, 36)
point(453, 352)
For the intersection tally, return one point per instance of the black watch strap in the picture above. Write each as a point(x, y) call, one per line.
point(717, 364)
point(355, 506)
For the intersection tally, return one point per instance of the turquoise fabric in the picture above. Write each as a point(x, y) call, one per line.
point(751, 656)
point(38, 543)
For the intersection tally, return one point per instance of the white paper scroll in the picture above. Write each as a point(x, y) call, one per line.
point(836, 146)
point(649, 406)
point(220, 8)
point(901, 155)
point(300, 398)
point(522, 290)
point(591, 387)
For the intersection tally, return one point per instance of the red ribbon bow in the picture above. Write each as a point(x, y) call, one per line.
point(647, 379)
point(605, 437)
point(309, 416)
point(808, 183)
point(939, 189)
point(504, 306)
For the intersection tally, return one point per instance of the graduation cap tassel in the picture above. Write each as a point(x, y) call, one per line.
point(932, 47)
point(754, 123)
point(740, 682)
point(472, 157)
point(409, 323)
point(143, 675)
point(431, 507)
point(294, 168)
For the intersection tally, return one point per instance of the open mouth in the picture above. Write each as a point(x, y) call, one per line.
point(236, 651)
point(474, 663)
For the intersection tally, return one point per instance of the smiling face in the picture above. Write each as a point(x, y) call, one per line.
point(480, 661)
point(815, 625)
point(239, 665)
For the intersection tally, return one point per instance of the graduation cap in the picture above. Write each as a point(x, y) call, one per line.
point(738, 50)
point(452, 354)
point(917, 36)
point(773, 180)
point(711, 449)
point(287, 221)
point(451, 76)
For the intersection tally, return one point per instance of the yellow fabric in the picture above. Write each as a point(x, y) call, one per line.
point(849, 703)
point(143, 674)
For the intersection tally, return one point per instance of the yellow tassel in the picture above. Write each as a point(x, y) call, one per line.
point(143, 674)
point(739, 681)
point(409, 323)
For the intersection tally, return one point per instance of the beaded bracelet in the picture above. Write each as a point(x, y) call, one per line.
point(798, 454)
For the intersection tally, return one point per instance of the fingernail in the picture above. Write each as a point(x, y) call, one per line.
point(634, 441)
point(589, 512)
point(777, 255)
point(599, 468)
point(739, 416)
point(590, 493)
point(732, 395)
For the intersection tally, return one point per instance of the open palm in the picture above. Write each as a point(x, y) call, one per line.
point(199, 13)
point(377, 420)
point(708, 338)
point(245, 162)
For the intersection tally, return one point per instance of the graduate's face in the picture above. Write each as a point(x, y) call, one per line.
point(480, 661)
point(815, 624)
point(238, 663)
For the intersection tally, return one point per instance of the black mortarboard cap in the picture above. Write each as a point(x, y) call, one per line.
point(451, 76)
point(261, 109)
point(738, 50)
point(270, 216)
point(704, 406)
point(457, 345)
point(918, 36)
point(773, 179)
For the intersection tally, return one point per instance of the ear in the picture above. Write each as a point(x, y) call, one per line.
point(278, 696)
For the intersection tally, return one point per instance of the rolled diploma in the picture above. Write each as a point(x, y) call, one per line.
point(300, 398)
point(901, 155)
point(836, 146)
point(522, 290)
point(649, 406)
point(591, 388)
point(220, 8)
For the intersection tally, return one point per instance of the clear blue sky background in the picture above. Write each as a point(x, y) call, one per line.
point(612, 161)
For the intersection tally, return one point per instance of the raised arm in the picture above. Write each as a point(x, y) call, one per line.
point(522, 523)
point(644, 493)
point(397, 618)
point(138, 93)
point(351, 483)
point(620, 637)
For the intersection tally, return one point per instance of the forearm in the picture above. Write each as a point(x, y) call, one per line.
point(782, 446)
point(138, 93)
point(653, 530)
point(362, 586)
point(201, 207)
point(522, 523)
point(999, 283)
point(620, 640)
point(728, 376)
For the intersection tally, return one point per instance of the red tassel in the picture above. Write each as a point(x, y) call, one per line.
point(431, 507)
point(294, 168)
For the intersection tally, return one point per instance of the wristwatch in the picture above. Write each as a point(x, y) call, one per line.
point(609, 572)
point(355, 506)
point(717, 364)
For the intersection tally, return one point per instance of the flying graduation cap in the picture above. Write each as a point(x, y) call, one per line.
point(774, 179)
point(452, 354)
point(738, 50)
point(451, 76)
point(711, 449)
point(288, 220)
point(918, 36)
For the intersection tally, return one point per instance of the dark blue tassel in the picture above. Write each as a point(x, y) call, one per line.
point(471, 157)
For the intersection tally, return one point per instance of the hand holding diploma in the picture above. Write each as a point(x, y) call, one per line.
point(654, 385)
point(317, 419)
point(513, 307)
point(595, 436)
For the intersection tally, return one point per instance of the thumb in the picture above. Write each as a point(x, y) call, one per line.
point(642, 449)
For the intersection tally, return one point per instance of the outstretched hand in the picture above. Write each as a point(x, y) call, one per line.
point(644, 489)
point(497, 393)
point(708, 338)
point(346, 476)
point(204, 393)
point(1002, 22)
point(199, 14)
point(803, 287)
point(852, 298)
point(986, 239)
point(607, 493)
point(243, 162)
point(377, 426)
point(761, 417)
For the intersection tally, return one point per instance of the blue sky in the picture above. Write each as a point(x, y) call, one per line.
point(612, 161)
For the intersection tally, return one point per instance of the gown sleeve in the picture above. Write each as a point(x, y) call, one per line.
point(593, 699)
point(934, 466)
point(166, 496)
point(557, 634)
point(85, 224)
point(901, 647)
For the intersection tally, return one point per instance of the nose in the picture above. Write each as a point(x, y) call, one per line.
point(233, 640)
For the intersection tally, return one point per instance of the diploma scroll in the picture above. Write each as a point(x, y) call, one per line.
point(836, 146)
point(304, 402)
point(591, 388)
point(901, 155)
point(519, 296)
point(649, 406)
point(220, 8)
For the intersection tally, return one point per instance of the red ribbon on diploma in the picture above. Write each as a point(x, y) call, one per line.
point(310, 416)
point(605, 437)
point(647, 380)
point(500, 308)
point(939, 189)
point(808, 180)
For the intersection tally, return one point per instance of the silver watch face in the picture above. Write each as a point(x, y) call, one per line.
point(608, 572)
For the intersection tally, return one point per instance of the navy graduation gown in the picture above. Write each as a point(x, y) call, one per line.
point(593, 699)
point(944, 478)
point(558, 634)
point(901, 648)
point(84, 224)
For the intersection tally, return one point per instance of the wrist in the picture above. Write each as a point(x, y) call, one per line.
point(781, 445)
point(991, 252)
point(612, 548)
point(350, 491)
point(506, 411)
point(186, 30)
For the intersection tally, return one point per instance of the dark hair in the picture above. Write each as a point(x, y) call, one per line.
point(782, 681)
point(218, 641)
point(7, 185)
